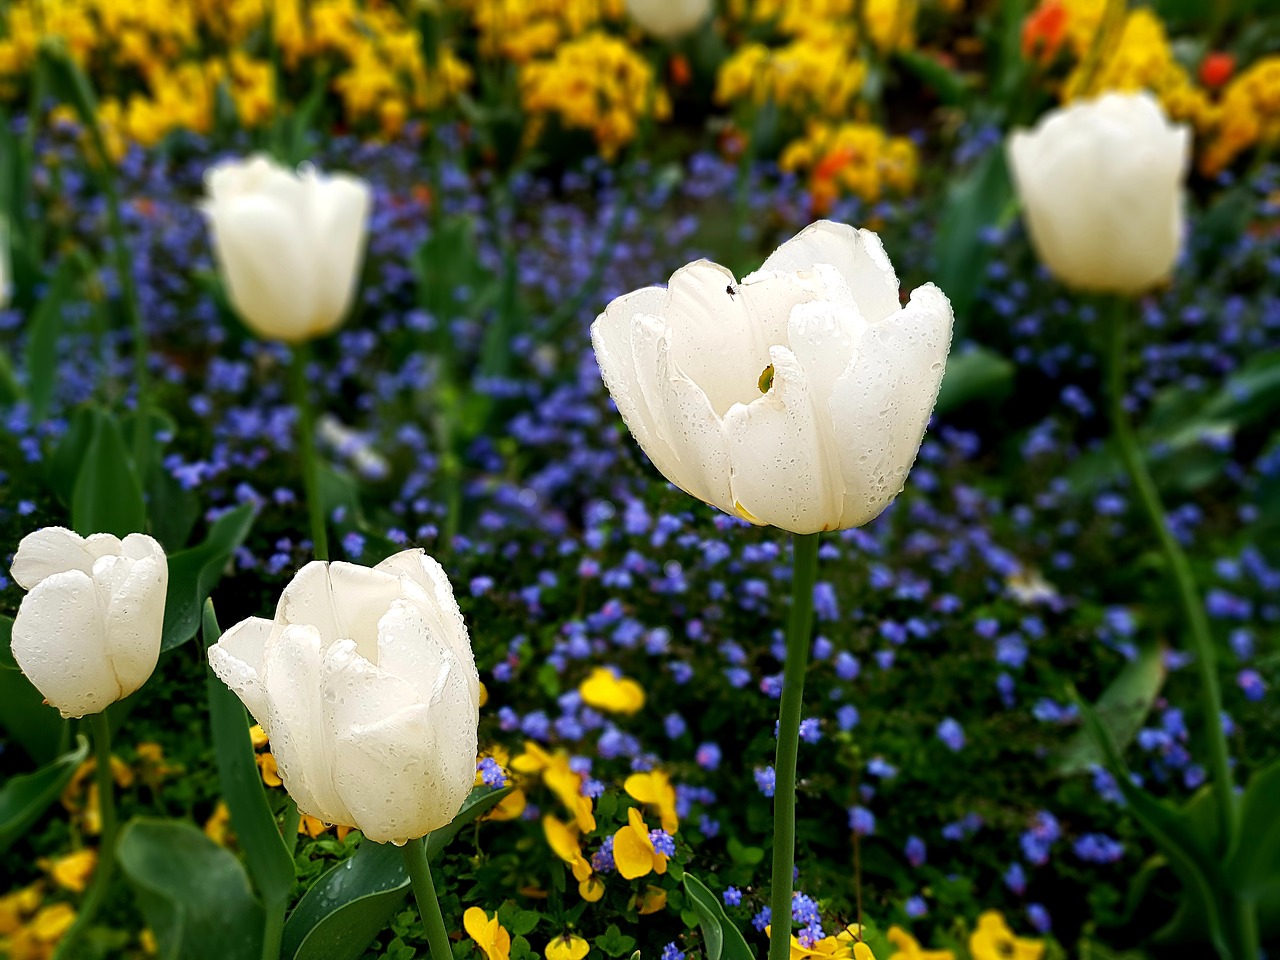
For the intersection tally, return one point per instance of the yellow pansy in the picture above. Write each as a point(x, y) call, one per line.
point(533, 760)
point(270, 773)
point(216, 827)
point(73, 871)
point(257, 736)
point(908, 947)
point(652, 900)
point(655, 788)
point(843, 946)
point(633, 851)
point(567, 947)
point(311, 827)
point(564, 844)
point(484, 694)
point(591, 889)
point(567, 785)
point(993, 940)
point(490, 936)
point(513, 804)
point(604, 691)
point(16, 907)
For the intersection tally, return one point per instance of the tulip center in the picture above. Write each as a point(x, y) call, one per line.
point(766, 379)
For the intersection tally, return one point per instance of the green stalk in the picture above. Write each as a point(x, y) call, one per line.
point(307, 449)
point(424, 891)
point(804, 572)
point(273, 929)
point(1191, 605)
point(1189, 599)
point(102, 875)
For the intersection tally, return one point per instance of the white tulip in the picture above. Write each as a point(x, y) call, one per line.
point(669, 19)
point(366, 685)
point(289, 245)
point(88, 633)
point(1101, 184)
point(796, 398)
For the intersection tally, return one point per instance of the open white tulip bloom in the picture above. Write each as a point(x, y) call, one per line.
point(796, 398)
point(88, 632)
point(289, 245)
point(669, 19)
point(366, 685)
point(1101, 185)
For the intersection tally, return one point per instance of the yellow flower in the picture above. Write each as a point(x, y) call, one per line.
point(73, 871)
point(604, 691)
point(491, 936)
point(908, 948)
point(533, 760)
point(16, 907)
point(270, 774)
point(567, 947)
point(509, 807)
point(993, 940)
point(484, 694)
point(843, 946)
point(591, 889)
point(633, 851)
point(564, 844)
point(258, 737)
point(567, 785)
point(50, 923)
point(655, 788)
point(652, 900)
point(216, 827)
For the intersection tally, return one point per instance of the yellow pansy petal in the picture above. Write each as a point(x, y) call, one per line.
point(568, 947)
point(862, 952)
point(653, 900)
point(637, 824)
point(591, 889)
point(474, 921)
point(632, 853)
point(533, 760)
point(484, 694)
point(258, 736)
point(509, 807)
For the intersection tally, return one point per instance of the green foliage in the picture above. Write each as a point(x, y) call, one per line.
point(24, 798)
point(193, 573)
point(1122, 709)
point(720, 936)
point(107, 496)
point(194, 895)
point(25, 717)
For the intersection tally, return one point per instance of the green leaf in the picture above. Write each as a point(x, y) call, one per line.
point(193, 894)
point(1188, 842)
point(722, 936)
point(949, 86)
point(976, 374)
point(1254, 865)
point(614, 943)
point(353, 902)
point(42, 339)
point(741, 854)
point(339, 493)
point(107, 497)
point(193, 574)
point(974, 202)
point(24, 798)
point(64, 464)
point(270, 861)
point(25, 717)
point(1122, 709)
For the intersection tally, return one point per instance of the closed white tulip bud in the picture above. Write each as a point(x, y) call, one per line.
point(669, 19)
point(1101, 185)
point(796, 398)
point(366, 685)
point(289, 245)
point(88, 632)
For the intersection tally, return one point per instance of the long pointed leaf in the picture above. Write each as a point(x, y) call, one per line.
point(720, 934)
point(355, 900)
point(193, 573)
point(24, 798)
point(269, 861)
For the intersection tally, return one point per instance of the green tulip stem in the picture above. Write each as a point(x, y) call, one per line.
point(1189, 598)
point(424, 891)
point(307, 449)
point(804, 572)
point(102, 874)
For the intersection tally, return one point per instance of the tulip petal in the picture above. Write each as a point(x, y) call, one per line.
point(881, 406)
point(308, 599)
point(857, 254)
point(267, 265)
point(780, 457)
point(50, 550)
point(59, 642)
point(360, 595)
point(237, 659)
point(293, 676)
point(339, 214)
point(135, 617)
point(409, 650)
point(440, 606)
point(611, 338)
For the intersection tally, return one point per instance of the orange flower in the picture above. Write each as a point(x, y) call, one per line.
point(1216, 69)
point(1044, 31)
